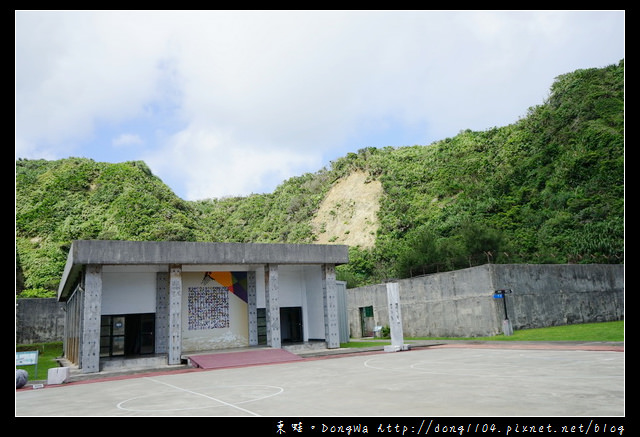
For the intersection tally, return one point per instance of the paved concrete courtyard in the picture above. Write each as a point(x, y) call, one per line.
point(433, 381)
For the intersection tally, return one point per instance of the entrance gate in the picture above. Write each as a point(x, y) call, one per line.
point(291, 324)
point(367, 321)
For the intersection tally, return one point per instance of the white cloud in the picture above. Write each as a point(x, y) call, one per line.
point(127, 140)
point(271, 94)
point(207, 163)
point(74, 70)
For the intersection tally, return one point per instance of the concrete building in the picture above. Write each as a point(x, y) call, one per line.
point(141, 298)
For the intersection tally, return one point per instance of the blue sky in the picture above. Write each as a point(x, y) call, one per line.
point(225, 103)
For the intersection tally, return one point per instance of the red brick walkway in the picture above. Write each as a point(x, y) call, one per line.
point(244, 358)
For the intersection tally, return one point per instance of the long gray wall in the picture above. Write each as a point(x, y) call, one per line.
point(39, 321)
point(461, 303)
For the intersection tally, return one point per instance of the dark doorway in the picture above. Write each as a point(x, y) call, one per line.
point(367, 321)
point(291, 324)
point(139, 334)
point(127, 335)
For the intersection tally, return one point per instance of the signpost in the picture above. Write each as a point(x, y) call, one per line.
point(507, 329)
point(28, 358)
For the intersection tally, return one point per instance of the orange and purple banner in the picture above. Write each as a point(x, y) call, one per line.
point(235, 282)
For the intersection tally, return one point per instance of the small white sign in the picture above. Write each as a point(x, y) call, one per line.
point(26, 358)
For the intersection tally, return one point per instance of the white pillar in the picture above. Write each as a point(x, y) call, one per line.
point(395, 318)
point(175, 314)
point(162, 313)
point(271, 290)
point(91, 317)
point(330, 301)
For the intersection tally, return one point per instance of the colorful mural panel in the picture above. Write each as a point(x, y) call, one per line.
point(208, 308)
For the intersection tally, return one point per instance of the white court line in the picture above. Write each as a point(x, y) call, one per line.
point(480, 371)
point(199, 394)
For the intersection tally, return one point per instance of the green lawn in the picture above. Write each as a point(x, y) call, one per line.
point(605, 331)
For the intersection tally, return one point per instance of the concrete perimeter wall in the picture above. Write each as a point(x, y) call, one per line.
point(461, 304)
point(457, 304)
point(39, 320)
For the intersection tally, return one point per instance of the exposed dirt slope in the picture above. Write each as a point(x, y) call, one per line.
point(349, 213)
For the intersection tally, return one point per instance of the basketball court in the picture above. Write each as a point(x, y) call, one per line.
point(444, 380)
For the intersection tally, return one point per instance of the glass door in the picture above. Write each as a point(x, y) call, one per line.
point(112, 335)
point(117, 335)
point(147, 329)
point(131, 334)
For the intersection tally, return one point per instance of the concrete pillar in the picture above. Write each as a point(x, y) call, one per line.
point(395, 319)
point(91, 315)
point(162, 313)
point(252, 308)
point(175, 314)
point(271, 288)
point(395, 316)
point(330, 302)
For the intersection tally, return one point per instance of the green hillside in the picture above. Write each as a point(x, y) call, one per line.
point(547, 189)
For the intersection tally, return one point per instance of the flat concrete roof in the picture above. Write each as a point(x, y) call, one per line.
point(117, 252)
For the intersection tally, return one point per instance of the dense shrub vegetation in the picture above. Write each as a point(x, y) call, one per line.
point(547, 189)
